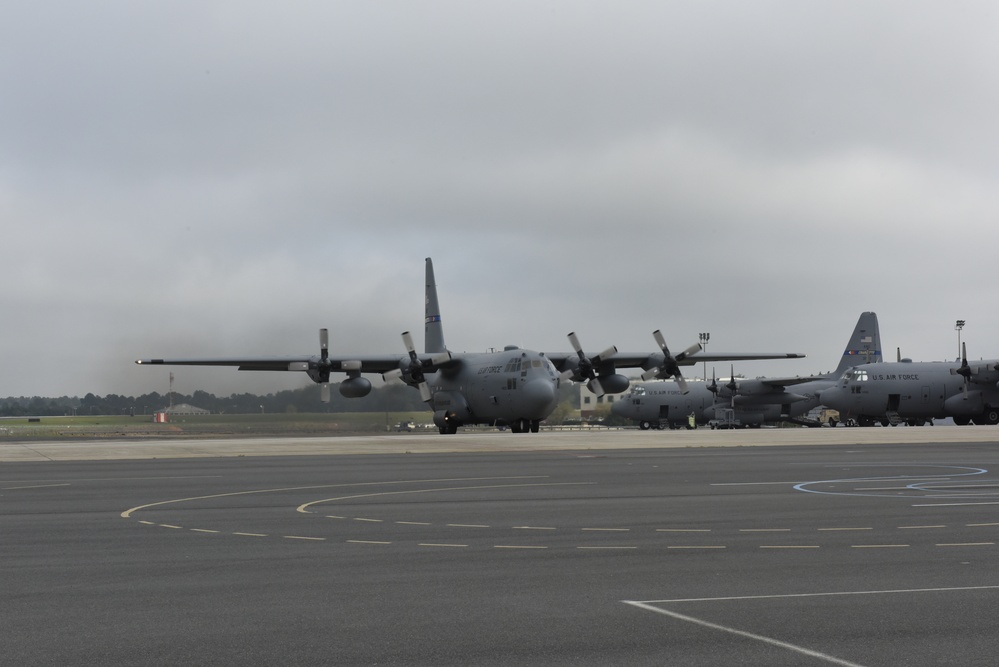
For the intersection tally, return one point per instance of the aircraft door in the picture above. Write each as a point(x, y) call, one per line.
point(663, 413)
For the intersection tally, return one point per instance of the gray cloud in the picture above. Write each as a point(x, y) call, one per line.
point(225, 178)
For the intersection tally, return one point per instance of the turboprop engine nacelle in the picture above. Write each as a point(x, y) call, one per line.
point(614, 384)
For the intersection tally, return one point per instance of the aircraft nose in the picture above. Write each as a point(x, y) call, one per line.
point(831, 397)
point(540, 393)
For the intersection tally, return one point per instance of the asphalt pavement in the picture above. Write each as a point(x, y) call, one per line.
point(621, 554)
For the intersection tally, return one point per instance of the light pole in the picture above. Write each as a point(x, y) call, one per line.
point(959, 325)
point(703, 337)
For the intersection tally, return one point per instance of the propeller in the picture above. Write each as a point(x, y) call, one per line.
point(586, 367)
point(732, 385)
point(964, 370)
point(671, 365)
point(413, 373)
point(713, 387)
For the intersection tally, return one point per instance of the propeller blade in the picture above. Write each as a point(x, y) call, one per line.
point(324, 392)
point(660, 341)
point(425, 392)
point(394, 374)
point(574, 341)
point(407, 340)
point(650, 374)
point(682, 383)
point(298, 366)
point(595, 387)
point(608, 353)
point(693, 349)
point(440, 358)
point(324, 343)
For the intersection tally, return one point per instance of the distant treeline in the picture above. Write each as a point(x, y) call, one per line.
point(388, 398)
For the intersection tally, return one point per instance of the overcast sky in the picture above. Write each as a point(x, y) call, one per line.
point(224, 178)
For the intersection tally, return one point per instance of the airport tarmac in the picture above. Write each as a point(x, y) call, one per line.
point(551, 549)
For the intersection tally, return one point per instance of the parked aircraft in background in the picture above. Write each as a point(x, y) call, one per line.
point(913, 392)
point(752, 402)
point(513, 387)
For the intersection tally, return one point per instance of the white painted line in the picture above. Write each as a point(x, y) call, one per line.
point(301, 537)
point(37, 486)
point(953, 589)
point(358, 518)
point(430, 544)
point(953, 504)
point(251, 534)
point(843, 529)
point(878, 546)
point(968, 544)
point(366, 542)
point(919, 527)
point(516, 546)
point(979, 525)
point(703, 546)
point(760, 483)
point(167, 525)
point(789, 546)
point(203, 530)
point(533, 528)
point(607, 548)
point(413, 523)
point(764, 530)
point(748, 635)
point(683, 530)
point(466, 525)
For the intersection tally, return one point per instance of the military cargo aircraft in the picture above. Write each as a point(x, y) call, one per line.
point(914, 392)
point(513, 388)
point(751, 402)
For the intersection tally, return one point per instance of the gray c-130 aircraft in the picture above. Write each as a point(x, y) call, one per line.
point(514, 387)
point(754, 401)
point(915, 392)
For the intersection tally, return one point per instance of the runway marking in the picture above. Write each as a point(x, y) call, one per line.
point(878, 546)
point(251, 534)
point(747, 635)
point(36, 486)
point(467, 525)
point(896, 591)
point(431, 544)
point(790, 546)
point(918, 527)
point(758, 483)
point(517, 546)
point(764, 530)
point(979, 525)
point(683, 530)
point(304, 508)
point(533, 528)
point(127, 514)
point(414, 523)
point(702, 546)
point(148, 523)
point(358, 518)
point(843, 529)
point(954, 504)
point(366, 542)
point(204, 530)
point(302, 537)
point(967, 544)
point(168, 525)
point(622, 548)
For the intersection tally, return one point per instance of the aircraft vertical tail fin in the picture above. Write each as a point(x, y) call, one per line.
point(433, 333)
point(865, 344)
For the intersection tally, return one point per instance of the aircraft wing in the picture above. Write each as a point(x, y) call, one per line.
point(380, 364)
point(649, 360)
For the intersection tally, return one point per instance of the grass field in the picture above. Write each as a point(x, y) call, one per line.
point(59, 428)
